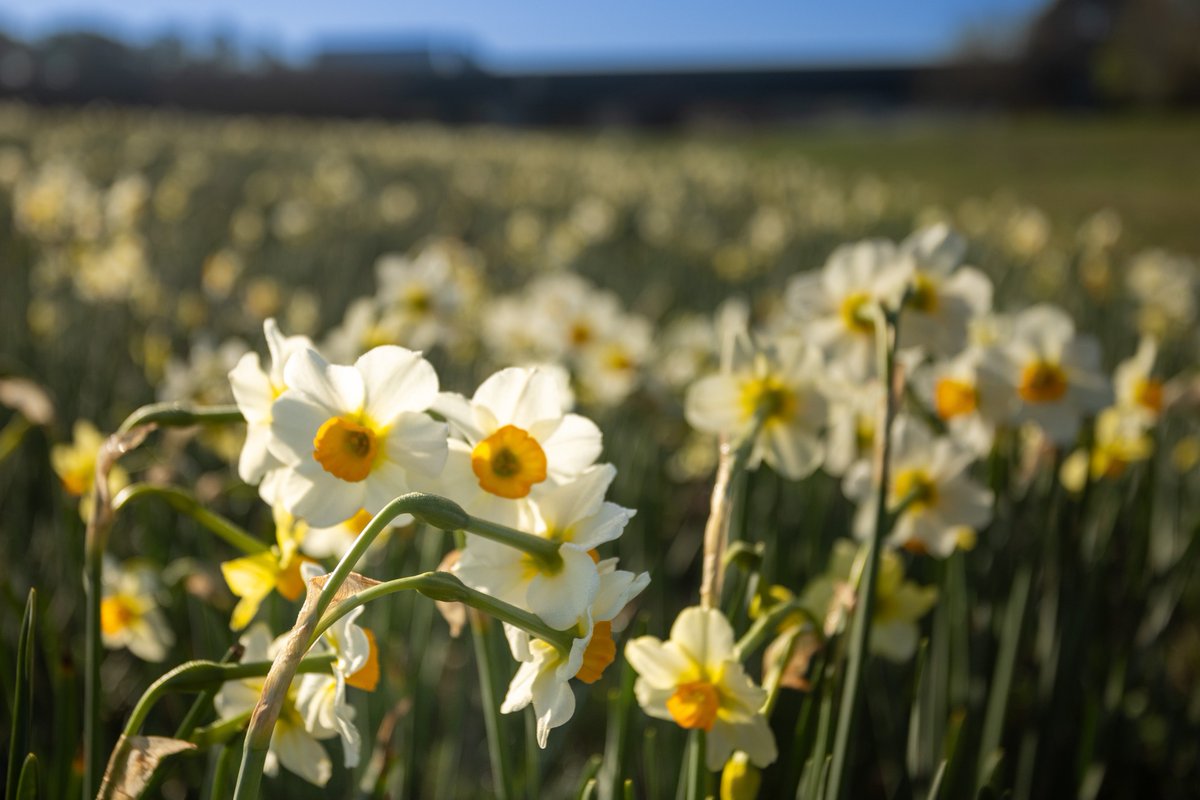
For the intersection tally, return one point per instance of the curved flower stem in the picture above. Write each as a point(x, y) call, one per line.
point(448, 588)
point(132, 433)
point(885, 338)
point(431, 509)
point(185, 503)
point(197, 676)
point(544, 550)
point(175, 415)
point(765, 624)
point(193, 676)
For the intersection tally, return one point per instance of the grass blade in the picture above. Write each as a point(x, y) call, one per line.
point(22, 705)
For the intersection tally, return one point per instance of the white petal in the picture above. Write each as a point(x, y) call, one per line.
point(661, 665)
point(294, 424)
point(705, 635)
point(417, 443)
point(564, 502)
point(337, 388)
point(319, 498)
point(520, 396)
point(300, 753)
point(713, 405)
point(573, 447)
point(561, 599)
point(458, 411)
point(396, 380)
point(256, 459)
point(252, 389)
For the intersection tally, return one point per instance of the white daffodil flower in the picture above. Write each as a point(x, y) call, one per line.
point(942, 296)
point(517, 436)
point(775, 382)
point(292, 744)
point(424, 296)
point(255, 391)
point(971, 400)
point(899, 604)
point(941, 507)
point(694, 680)
point(834, 306)
point(351, 436)
point(609, 368)
point(544, 676)
point(573, 513)
point(1055, 372)
point(129, 613)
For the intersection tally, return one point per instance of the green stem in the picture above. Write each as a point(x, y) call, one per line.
point(220, 732)
point(174, 415)
point(431, 509)
point(224, 770)
point(185, 503)
point(885, 328)
point(93, 741)
point(766, 624)
point(127, 437)
point(697, 767)
point(789, 649)
point(195, 676)
point(545, 550)
point(501, 777)
point(448, 588)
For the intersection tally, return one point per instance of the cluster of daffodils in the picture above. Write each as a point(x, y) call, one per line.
point(330, 445)
point(315, 707)
point(805, 389)
point(424, 301)
point(563, 319)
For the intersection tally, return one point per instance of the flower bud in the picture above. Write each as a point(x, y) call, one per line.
point(740, 779)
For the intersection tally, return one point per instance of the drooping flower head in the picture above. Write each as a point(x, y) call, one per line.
point(544, 676)
point(292, 744)
point(252, 578)
point(321, 698)
point(75, 465)
point(573, 513)
point(1136, 387)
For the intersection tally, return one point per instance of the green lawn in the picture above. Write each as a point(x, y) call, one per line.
point(1147, 169)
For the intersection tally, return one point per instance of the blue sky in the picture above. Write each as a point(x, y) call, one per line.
point(527, 34)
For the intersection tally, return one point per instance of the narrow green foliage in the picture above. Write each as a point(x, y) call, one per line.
point(22, 704)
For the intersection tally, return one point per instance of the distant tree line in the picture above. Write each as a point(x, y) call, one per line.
point(1075, 53)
